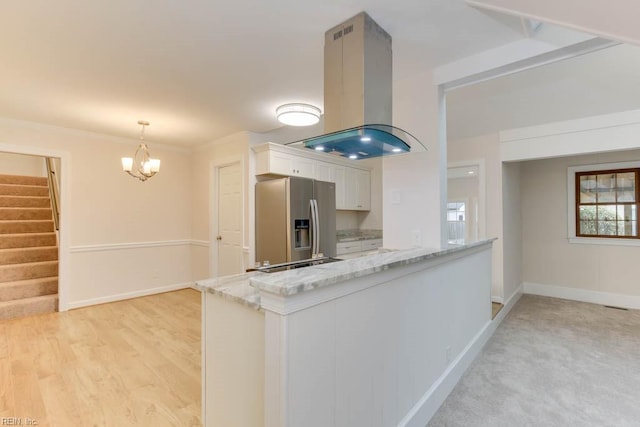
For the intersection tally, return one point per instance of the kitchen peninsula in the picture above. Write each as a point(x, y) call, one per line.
point(376, 340)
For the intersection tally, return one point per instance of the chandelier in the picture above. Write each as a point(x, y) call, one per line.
point(141, 165)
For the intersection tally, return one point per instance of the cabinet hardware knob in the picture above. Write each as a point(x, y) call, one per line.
point(219, 238)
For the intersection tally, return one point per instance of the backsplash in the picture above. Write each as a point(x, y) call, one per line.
point(363, 234)
point(346, 220)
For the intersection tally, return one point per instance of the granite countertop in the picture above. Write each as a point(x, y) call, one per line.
point(245, 288)
point(292, 282)
point(234, 288)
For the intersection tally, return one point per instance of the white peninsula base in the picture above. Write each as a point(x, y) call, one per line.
point(375, 341)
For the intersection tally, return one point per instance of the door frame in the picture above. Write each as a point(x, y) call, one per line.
point(64, 232)
point(481, 226)
point(213, 210)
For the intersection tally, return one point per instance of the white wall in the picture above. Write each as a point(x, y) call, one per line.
point(486, 148)
point(233, 351)
point(413, 187)
point(381, 350)
point(511, 230)
point(579, 271)
point(19, 164)
point(502, 192)
point(204, 160)
point(119, 237)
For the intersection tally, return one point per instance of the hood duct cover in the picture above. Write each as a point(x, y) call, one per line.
point(358, 91)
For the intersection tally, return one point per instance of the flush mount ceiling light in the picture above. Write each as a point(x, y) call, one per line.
point(141, 166)
point(297, 114)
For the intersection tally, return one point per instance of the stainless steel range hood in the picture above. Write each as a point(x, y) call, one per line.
point(358, 94)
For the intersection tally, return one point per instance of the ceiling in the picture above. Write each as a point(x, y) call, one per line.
point(202, 69)
point(597, 83)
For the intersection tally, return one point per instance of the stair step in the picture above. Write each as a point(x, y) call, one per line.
point(23, 190)
point(17, 227)
point(27, 240)
point(10, 291)
point(28, 306)
point(28, 248)
point(27, 255)
point(24, 202)
point(29, 270)
point(25, 213)
point(24, 180)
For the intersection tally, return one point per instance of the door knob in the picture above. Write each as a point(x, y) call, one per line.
point(219, 238)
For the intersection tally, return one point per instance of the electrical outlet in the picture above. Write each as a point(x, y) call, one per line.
point(416, 238)
point(447, 353)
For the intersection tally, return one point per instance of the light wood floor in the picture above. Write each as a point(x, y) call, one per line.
point(495, 309)
point(135, 362)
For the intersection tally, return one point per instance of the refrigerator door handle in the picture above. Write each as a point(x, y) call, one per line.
point(314, 232)
point(317, 239)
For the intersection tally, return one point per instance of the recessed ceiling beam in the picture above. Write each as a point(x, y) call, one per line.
point(588, 46)
point(598, 17)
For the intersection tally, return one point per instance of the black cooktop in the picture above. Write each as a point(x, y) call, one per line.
point(294, 264)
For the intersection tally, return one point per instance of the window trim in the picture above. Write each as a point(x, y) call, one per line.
point(572, 204)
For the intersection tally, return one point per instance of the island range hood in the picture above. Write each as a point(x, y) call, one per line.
point(358, 94)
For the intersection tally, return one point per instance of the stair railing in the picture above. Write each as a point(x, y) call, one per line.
point(54, 192)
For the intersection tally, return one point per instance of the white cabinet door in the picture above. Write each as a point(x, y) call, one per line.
point(287, 164)
point(350, 189)
point(357, 190)
point(281, 163)
point(325, 172)
point(304, 167)
point(363, 190)
point(336, 174)
point(348, 247)
point(370, 245)
point(341, 183)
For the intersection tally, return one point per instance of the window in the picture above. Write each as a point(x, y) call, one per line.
point(456, 222)
point(606, 203)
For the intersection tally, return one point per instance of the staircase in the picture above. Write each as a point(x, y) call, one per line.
point(28, 248)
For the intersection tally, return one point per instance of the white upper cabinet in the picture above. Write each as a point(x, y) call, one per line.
point(339, 173)
point(353, 185)
point(358, 190)
point(335, 173)
point(325, 171)
point(287, 164)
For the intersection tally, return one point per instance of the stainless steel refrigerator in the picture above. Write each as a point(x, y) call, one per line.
point(295, 219)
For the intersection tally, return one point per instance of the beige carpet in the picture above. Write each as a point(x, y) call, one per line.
point(552, 363)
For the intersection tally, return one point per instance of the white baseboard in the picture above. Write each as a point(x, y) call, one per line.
point(499, 300)
point(583, 295)
point(427, 406)
point(128, 295)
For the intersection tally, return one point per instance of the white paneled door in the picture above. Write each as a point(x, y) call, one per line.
point(229, 238)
